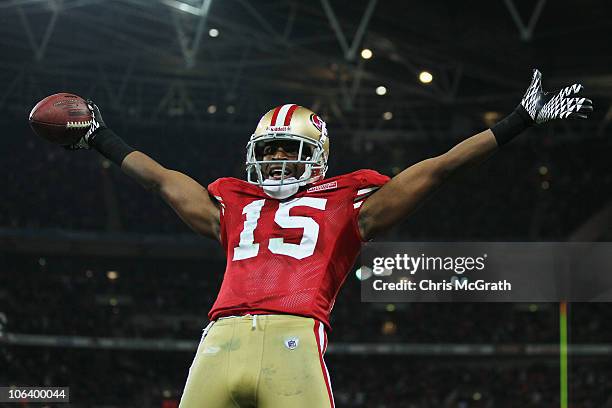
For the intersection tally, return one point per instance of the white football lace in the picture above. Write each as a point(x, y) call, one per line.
point(78, 125)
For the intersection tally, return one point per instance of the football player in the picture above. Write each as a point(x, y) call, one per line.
point(291, 236)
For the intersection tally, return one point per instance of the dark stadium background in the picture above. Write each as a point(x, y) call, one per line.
point(104, 290)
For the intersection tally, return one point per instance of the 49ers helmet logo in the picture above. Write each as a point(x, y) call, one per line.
point(318, 123)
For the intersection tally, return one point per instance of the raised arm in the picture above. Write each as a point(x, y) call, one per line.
point(189, 199)
point(404, 192)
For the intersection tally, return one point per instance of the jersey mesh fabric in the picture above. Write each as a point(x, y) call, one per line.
point(298, 259)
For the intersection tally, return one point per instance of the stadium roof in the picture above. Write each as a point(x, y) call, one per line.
point(156, 59)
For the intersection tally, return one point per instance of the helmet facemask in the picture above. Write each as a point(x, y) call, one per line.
point(310, 154)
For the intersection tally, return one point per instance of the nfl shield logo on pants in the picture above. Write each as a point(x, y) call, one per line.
point(291, 343)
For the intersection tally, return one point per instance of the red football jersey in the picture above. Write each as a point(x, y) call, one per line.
point(289, 256)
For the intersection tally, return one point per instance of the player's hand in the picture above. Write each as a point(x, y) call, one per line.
point(543, 106)
point(96, 123)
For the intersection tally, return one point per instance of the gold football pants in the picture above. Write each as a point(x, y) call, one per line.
point(263, 361)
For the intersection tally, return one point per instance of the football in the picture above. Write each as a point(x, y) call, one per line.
point(62, 118)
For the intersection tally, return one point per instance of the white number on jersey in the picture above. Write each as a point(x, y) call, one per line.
point(247, 248)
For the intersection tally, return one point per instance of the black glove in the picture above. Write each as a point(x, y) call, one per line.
point(538, 107)
point(96, 123)
point(543, 106)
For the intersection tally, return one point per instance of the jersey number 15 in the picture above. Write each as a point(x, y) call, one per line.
point(247, 248)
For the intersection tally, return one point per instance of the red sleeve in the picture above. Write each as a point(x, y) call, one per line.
point(370, 178)
point(367, 182)
point(215, 190)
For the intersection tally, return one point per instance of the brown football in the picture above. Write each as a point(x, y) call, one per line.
point(62, 118)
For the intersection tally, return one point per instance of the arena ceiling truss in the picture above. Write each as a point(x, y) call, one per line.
point(159, 59)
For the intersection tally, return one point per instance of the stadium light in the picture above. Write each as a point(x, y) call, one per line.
point(388, 115)
point(112, 275)
point(212, 109)
point(366, 53)
point(389, 328)
point(425, 77)
point(230, 109)
point(491, 117)
point(381, 90)
point(364, 272)
point(213, 32)
point(543, 170)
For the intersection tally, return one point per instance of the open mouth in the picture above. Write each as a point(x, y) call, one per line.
point(276, 172)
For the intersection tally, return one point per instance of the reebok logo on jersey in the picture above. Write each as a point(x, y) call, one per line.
point(322, 187)
point(292, 342)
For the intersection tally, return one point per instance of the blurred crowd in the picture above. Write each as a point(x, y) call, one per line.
point(535, 189)
point(112, 378)
point(170, 298)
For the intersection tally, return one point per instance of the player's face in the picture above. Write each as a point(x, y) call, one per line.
point(283, 150)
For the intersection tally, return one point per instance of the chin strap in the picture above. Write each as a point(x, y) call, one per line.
point(278, 191)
